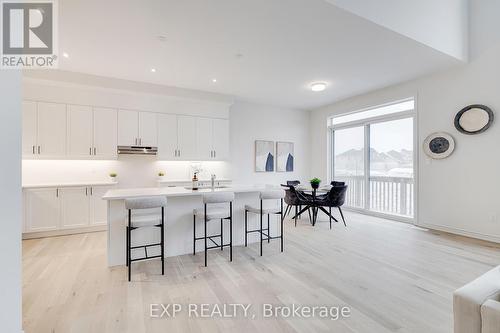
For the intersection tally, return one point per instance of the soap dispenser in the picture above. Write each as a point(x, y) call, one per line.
point(195, 181)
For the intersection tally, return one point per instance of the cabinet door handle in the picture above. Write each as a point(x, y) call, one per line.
point(95, 151)
point(91, 191)
point(90, 151)
point(57, 193)
point(86, 191)
point(179, 153)
point(215, 153)
point(33, 149)
point(39, 149)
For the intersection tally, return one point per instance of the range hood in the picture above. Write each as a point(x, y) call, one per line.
point(137, 150)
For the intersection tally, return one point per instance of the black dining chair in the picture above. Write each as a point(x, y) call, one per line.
point(294, 198)
point(337, 183)
point(334, 198)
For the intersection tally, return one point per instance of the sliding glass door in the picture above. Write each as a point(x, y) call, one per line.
point(375, 157)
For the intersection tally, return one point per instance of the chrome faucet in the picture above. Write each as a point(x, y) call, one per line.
point(212, 179)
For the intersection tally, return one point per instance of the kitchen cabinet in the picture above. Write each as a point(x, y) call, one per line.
point(220, 139)
point(75, 209)
point(29, 145)
point(65, 209)
point(137, 128)
point(51, 129)
point(186, 138)
point(128, 128)
point(42, 209)
point(80, 128)
point(148, 132)
point(98, 207)
point(105, 133)
point(204, 132)
point(44, 130)
point(167, 137)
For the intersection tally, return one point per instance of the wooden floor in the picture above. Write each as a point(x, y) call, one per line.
point(394, 278)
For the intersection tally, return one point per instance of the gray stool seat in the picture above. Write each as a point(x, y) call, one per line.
point(141, 221)
point(212, 213)
point(256, 210)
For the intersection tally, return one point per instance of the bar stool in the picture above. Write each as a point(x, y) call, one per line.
point(215, 212)
point(136, 221)
point(266, 196)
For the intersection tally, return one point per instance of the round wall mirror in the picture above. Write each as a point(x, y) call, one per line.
point(474, 119)
point(439, 145)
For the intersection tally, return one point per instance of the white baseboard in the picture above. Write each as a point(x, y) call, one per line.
point(461, 232)
point(40, 234)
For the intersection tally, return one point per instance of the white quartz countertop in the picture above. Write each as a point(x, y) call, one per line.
point(120, 194)
point(69, 184)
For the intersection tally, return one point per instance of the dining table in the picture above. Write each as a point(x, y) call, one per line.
point(315, 203)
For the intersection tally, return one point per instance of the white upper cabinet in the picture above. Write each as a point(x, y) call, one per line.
point(51, 131)
point(167, 137)
point(105, 133)
point(220, 131)
point(204, 131)
point(80, 141)
point(29, 128)
point(148, 129)
point(186, 138)
point(128, 128)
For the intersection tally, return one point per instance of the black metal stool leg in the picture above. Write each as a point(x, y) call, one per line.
point(246, 228)
point(231, 231)
point(282, 217)
point(261, 228)
point(162, 241)
point(194, 234)
point(268, 230)
point(205, 238)
point(126, 233)
point(129, 254)
point(221, 235)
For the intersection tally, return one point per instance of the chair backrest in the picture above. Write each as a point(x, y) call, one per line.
point(293, 182)
point(336, 196)
point(145, 202)
point(336, 183)
point(272, 194)
point(218, 197)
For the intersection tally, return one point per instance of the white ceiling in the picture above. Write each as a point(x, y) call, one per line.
point(285, 45)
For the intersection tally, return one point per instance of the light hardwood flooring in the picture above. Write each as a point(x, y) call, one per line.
point(394, 278)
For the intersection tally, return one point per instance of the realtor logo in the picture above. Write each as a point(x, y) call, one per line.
point(28, 34)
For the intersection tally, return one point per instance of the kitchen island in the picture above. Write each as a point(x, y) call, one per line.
point(178, 220)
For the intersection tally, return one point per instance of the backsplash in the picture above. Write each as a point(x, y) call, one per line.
point(133, 171)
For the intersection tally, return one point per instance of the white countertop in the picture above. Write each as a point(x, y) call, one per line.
point(72, 184)
point(120, 194)
point(163, 181)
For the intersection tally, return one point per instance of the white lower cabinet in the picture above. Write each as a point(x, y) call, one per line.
point(75, 209)
point(42, 210)
point(64, 209)
point(98, 207)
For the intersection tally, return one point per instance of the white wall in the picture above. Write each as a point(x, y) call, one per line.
point(10, 199)
point(250, 122)
point(461, 193)
point(442, 25)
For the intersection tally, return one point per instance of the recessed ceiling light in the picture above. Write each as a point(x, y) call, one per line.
point(214, 80)
point(153, 70)
point(318, 86)
point(65, 55)
point(162, 38)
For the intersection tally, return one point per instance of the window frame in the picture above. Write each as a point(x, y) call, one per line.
point(366, 122)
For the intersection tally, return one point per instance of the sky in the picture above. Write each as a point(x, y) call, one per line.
point(386, 136)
